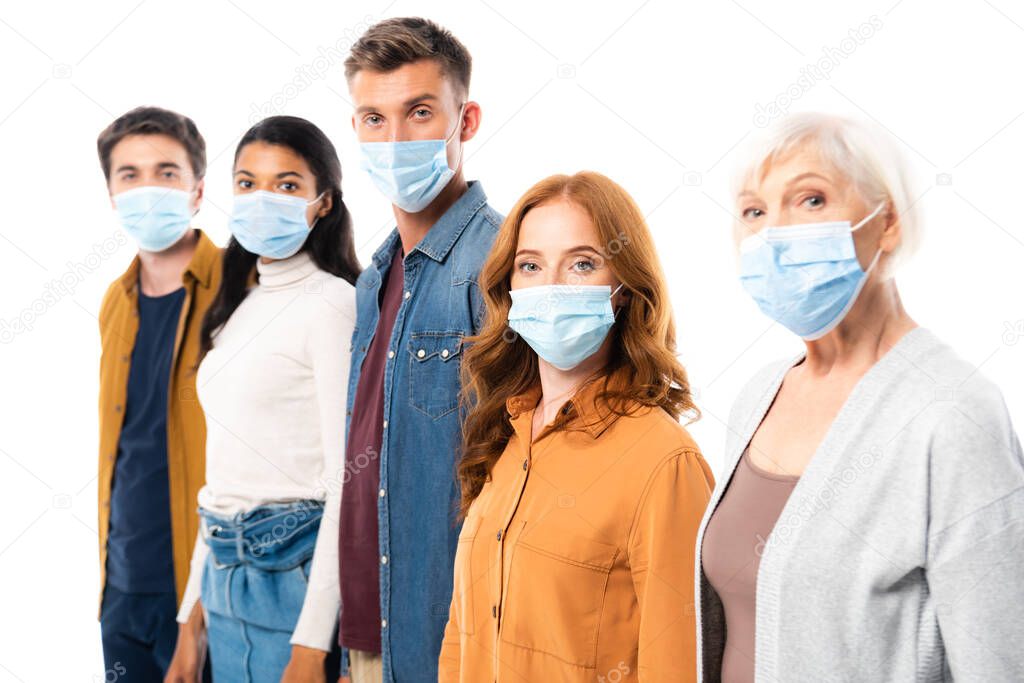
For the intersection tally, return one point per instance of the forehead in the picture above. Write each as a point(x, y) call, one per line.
point(557, 224)
point(776, 173)
point(262, 156)
point(148, 149)
point(381, 89)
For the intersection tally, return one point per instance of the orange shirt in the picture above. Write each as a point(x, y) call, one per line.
point(576, 561)
point(186, 426)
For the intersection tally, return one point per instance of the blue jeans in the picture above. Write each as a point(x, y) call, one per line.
point(253, 587)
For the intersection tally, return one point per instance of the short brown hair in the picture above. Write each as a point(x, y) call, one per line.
point(154, 121)
point(392, 43)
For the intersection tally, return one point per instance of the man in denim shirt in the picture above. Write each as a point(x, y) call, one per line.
point(416, 302)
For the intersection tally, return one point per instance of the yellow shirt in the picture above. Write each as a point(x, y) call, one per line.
point(576, 561)
point(186, 426)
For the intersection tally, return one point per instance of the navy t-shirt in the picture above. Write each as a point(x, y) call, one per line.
point(139, 555)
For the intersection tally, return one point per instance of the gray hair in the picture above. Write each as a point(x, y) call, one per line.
point(861, 151)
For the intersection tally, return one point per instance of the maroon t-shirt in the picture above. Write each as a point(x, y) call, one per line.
point(358, 545)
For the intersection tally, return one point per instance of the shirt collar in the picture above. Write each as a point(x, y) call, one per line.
point(443, 234)
point(589, 411)
point(200, 267)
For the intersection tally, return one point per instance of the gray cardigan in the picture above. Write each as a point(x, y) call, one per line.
point(900, 553)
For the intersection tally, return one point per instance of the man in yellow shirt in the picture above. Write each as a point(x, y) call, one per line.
point(152, 429)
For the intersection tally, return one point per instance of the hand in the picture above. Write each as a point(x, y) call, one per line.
point(305, 666)
point(190, 650)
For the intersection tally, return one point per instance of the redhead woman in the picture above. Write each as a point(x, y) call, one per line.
point(582, 492)
point(869, 523)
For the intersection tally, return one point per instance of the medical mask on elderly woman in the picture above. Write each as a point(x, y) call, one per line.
point(563, 324)
point(805, 277)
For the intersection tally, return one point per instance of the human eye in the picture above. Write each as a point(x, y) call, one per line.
point(813, 201)
point(527, 267)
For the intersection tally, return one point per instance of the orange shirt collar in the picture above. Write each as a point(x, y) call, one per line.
point(200, 267)
point(594, 415)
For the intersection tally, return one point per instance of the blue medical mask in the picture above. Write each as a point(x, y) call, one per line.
point(155, 217)
point(805, 277)
point(271, 224)
point(410, 173)
point(563, 324)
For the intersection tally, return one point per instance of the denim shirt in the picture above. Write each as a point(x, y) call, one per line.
point(417, 509)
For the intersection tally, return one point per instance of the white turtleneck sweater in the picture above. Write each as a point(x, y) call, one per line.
point(273, 389)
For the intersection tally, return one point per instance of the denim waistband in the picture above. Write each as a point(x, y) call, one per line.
point(278, 536)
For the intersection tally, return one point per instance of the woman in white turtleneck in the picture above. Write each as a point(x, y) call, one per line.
point(263, 586)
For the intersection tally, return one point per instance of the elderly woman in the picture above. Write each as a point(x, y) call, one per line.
point(869, 525)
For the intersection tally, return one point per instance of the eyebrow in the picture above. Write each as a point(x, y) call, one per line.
point(160, 166)
point(571, 250)
point(283, 174)
point(425, 97)
point(809, 174)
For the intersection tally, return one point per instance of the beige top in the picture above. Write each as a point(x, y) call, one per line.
point(731, 555)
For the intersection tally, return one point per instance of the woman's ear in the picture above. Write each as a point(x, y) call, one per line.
point(892, 233)
point(327, 204)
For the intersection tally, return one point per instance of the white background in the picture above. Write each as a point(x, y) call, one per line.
point(654, 94)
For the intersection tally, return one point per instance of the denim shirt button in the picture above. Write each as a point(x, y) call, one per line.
point(407, 294)
point(383, 623)
point(444, 353)
point(383, 559)
point(421, 353)
point(385, 424)
point(381, 493)
point(391, 354)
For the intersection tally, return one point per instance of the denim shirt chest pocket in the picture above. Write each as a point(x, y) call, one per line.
point(434, 360)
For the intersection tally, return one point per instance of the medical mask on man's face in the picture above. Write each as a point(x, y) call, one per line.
point(155, 217)
point(410, 173)
point(563, 324)
point(805, 277)
point(271, 224)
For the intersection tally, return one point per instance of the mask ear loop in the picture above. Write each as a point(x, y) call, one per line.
point(318, 198)
point(878, 253)
point(868, 217)
point(615, 313)
point(458, 128)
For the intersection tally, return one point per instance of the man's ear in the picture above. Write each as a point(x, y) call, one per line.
point(200, 189)
point(471, 118)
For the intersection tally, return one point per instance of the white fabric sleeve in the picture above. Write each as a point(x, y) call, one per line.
point(195, 577)
point(329, 343)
